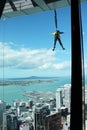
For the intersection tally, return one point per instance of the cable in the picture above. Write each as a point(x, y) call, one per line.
point(55, 17)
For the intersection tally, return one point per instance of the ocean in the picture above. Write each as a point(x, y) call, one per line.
point(9, 93)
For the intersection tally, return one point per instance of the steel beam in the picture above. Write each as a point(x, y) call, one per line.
point(2, 5)
point(76, 74)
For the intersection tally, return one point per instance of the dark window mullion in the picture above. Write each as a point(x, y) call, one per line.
point(76, 80)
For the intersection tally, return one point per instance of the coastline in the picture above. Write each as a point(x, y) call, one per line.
point(25, 82)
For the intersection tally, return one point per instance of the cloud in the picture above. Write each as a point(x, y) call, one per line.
point(25, 58)
point(57, 66)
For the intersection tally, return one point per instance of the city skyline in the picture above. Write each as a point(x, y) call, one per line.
point(38, 112)
point(26, 44)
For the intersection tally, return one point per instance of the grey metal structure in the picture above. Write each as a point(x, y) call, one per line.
point(15, 8)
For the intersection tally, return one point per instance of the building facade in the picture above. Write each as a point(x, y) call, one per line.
point(12, 122)
point(53, 122)
point(40, 113)
point(59, 99)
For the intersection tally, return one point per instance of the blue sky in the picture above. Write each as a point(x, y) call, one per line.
point(27, 43)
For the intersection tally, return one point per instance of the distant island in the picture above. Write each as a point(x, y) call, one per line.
point(27, 81)
point(33, 77)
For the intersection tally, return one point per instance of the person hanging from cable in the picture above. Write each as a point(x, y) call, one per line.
point(57, 34)
point(57, 37)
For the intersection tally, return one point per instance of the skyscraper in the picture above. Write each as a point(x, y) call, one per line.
point(53, 122)
point(67, 96)
point(2, 109)
point(59, 98)
point(12, 122)
point(40, 113)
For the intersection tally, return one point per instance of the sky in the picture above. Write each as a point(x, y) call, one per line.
point(26, 44)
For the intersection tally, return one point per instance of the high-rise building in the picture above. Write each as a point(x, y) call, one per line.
point(4, 121)
point(2, 109)
point(53, 122)
point(12, 122)
point(40, 113)
point(67, 96)
point(64, 112)
point(66, 125)
point(59, 98)
point(30, 103)
point(7, 116)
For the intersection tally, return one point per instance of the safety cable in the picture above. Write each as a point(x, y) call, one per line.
point(55, 18)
